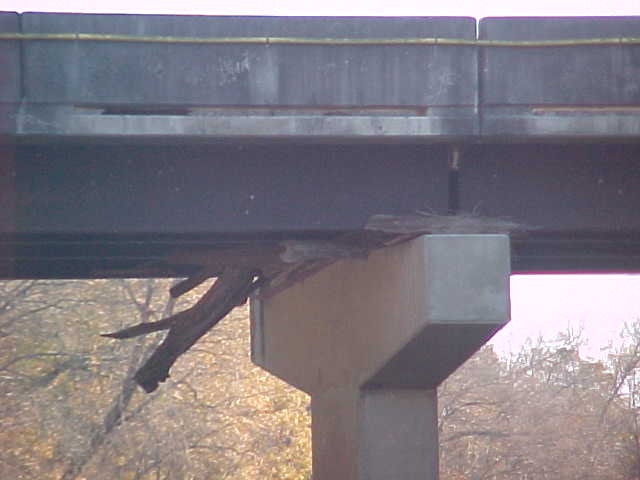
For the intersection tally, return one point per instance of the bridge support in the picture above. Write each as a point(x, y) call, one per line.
point(370, 340)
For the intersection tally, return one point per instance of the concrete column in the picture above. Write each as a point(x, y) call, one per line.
point(375, 434)
point(371, 340)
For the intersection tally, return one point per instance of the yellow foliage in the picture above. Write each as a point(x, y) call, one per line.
point(218, 416)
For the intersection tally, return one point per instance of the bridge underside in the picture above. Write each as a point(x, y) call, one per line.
point(152, 136)
point(86, 211)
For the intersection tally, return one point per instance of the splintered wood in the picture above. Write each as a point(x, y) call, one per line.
point(276, 266)
point(234, 284)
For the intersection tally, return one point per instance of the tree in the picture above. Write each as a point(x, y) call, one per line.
point(542, 413)
point(72, 409)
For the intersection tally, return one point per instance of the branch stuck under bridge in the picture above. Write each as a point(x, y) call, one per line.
point(276, 266)
point(232, 288)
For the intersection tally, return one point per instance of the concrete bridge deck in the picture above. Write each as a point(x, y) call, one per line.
point(217, 123)
point(136, 77)
point(201, 146)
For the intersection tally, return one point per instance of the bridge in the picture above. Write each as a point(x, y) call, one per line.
point(396, 170)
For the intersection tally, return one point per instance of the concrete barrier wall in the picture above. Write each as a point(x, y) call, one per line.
point(131, 90)
point(9, 73)
point(570, 75)
point(563, 90)
point(204, 75)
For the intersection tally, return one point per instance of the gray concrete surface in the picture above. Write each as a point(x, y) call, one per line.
point(199, 75)
point(381, 434)
point(72, 122)
point(118, 89)
point(569, 91)
point(134, 92)
point(10, 95)
point(370, 341)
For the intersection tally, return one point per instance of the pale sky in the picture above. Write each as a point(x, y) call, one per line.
point(548, 304)
point(471, 8)
point(540, 304)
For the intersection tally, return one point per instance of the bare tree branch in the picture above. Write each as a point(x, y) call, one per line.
point(185, 328)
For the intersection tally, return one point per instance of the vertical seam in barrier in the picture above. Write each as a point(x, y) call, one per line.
point(480, 53)
point(453, 201)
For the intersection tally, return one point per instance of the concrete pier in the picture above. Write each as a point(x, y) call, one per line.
point(370, 341)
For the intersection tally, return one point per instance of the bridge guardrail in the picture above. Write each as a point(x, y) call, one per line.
point(343, 78)
point(10, 73)
point(568, 91)
point(310, 89)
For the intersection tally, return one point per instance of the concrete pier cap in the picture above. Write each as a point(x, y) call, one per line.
point(370, 341)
